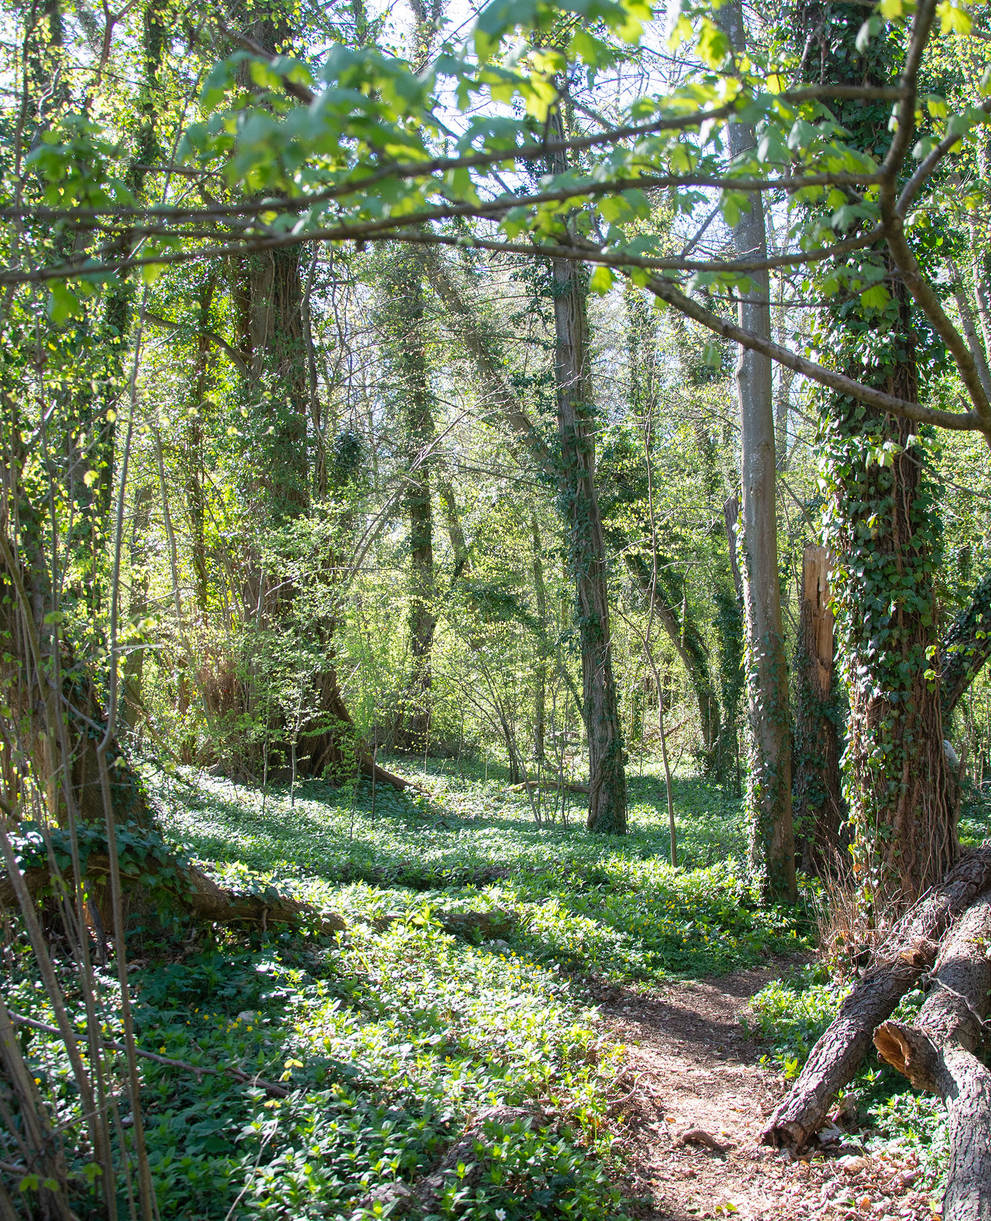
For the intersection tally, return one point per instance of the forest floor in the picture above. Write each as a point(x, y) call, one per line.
point(697, 1100)
point(519, 1022)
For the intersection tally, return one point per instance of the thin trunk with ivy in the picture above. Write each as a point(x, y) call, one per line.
point(772, 848)
point(405, 317)
point(586, 549)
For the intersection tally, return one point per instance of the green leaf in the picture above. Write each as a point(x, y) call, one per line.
point(953, 18)
point(875, 298)
point(601, 280)
point(63, 303)
point(713, 45)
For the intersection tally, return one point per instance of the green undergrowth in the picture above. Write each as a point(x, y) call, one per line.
point(410, 1034)
point(582, 904)
point(791, 1013)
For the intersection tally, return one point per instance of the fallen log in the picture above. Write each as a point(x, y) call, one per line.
point(188, 889)
point(936, 1053)
point(375, 771)
point(908, 952)
point(551, 785)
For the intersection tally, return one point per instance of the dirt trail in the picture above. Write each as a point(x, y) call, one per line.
point(695, 1104)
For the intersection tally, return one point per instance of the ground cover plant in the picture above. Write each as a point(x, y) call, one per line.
point(327, 1076)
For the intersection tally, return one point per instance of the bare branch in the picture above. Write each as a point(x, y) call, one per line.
point(923, 293)
point(962, 421)
point(928, 165)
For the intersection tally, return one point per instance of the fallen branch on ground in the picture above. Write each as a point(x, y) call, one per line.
point(900, 962)
point(550, 784)
point(189, 888)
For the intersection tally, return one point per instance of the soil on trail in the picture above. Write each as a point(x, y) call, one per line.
point(696, 1100)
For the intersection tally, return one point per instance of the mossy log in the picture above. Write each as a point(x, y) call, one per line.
point(899, 964)
point(182, 888)
point(936, 1053)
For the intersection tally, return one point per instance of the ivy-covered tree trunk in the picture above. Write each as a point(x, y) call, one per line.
point(772, 848)
point(406, 320)
point(267, 294)
point(194, 483)
point(55, 740)
point(881, 530)
point(578, 499)
point(899, 789)
point(586, 550)
point(540, 660)
point(818, 801)
point(132, 710)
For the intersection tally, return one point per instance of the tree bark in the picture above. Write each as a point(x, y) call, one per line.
point(936, 1053)
point(195, 494)
point(132, 709)
point(575, 477)
point(540, 660)
point(884, 538)
point(586, 544)
point(607, 778)
point(902, 793)
point(189, 891)
point(818, 810)
point(404, 312)
point(899, 963)
point(686, 640)
point(772, 848)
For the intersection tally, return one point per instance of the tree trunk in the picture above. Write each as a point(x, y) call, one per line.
point(936, 1053)
point(901, 791)
point(111, 344)
point(667, 590)
point(406, 319)
point(540, 660)
point(607, 777)
point(882, 533)
point(195, 495)
point(899, 963)
point(819, 812)
point(966, 648)
point(185, 889)
point(131, 704)
point(772, 848)
point(455, 532)
point(268, 297)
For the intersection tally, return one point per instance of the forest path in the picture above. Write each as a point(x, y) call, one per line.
point(694, 1081)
